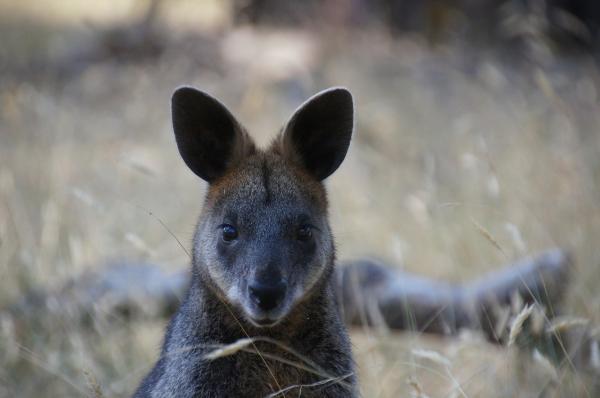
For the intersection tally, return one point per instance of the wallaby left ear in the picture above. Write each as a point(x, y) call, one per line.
point(318, 134)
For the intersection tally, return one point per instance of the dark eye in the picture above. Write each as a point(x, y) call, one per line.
point(304, 233)
point(229, 232)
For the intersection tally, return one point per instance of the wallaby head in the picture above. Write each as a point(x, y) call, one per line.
point(263, 241)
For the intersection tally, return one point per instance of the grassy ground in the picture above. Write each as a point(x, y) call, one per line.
point(447, 139)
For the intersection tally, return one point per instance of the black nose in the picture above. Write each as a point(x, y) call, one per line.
point(267, 296)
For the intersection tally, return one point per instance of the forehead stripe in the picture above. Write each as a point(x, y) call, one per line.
point(265, 180)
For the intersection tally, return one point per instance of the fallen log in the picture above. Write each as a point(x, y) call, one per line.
point(372, 293)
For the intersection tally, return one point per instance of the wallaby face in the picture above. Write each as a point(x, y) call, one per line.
point(263, 240)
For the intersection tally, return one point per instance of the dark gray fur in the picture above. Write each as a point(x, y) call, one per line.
point(268, 195)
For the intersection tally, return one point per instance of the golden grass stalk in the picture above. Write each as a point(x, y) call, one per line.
point(488, 236)
point(229, 349)
point(301, 386)
point(93, 385)
point(416, 388)
point(562, 323)
point(432, 356)
point(517, 324)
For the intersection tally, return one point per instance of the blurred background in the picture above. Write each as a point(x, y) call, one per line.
point(477, 142)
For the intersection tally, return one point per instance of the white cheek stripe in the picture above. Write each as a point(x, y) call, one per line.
point(301, 290)
point(233, 294)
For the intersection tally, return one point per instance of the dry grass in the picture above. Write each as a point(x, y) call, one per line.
point(449, 144)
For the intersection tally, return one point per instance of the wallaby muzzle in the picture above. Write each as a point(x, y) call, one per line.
point(267, 297)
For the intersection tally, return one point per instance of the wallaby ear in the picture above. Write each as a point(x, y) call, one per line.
point(209, 138)
point(318, 134)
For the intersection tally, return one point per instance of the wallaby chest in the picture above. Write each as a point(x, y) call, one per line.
point(315, 361)
point(246, 375)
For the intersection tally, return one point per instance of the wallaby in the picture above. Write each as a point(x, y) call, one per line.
point(263, 257)
point(263, 286)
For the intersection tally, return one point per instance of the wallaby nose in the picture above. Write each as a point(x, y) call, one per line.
point(267, 296)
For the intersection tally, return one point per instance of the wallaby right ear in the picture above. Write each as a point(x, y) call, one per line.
point(209, 138)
